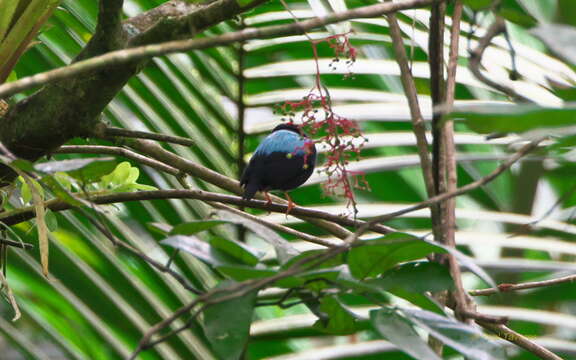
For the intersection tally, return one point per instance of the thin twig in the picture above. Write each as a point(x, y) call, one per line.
point(440, 213)
point(512, 336)
point(522, 286)
point(475, 62)
point(464, 304)
point(112, 132)
point(17, 244)
point(149, 51)
point(418, 125)
point(118, 151)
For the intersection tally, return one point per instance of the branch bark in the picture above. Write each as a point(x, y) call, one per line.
point(67, 109)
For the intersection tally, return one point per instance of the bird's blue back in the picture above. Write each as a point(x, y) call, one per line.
point(285, 141)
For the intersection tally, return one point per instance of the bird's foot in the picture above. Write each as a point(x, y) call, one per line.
point(291, 204)
point(268, 201)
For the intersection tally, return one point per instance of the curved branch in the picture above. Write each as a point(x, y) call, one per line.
point(475, 62)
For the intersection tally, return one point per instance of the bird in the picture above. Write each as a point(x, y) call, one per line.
point(284, 160)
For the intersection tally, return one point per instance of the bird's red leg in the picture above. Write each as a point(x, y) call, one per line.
point(290, 203)
point(268, 200)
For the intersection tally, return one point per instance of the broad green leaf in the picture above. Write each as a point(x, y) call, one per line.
point(513, 118)
point(26, 192)
point(309, 257)
point(237, 250)
point(399, 331)
point(467, 340)
point(243, 272)
point(227, 324)
point(478, 4)
point(120, 176)
point(60, 186)
point(339, 321)
point(199, 249)
point(373, 257)
point(51, 220)
point(94, 170)
point(418, 277)
point(512, 11)
point(193, 227)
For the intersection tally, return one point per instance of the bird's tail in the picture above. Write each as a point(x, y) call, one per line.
point(249, 190)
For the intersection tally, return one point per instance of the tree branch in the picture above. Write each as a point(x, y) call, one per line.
point(522, 286)
point(512, 336)
point(418, 125)
point(113, 132)
point(117, 151)
point(67, 109)
point(475, 62)
point(122, 57)
point(27, 213)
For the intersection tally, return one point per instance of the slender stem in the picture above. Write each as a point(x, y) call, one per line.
point(475, 62)
point(111, 132)
point(522, 286)
point(418, 125)
point(522, 341)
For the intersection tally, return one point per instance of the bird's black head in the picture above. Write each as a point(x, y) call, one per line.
point(288, 126)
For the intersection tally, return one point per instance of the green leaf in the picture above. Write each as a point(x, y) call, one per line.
point(243, 272)
point(60, 186)
point(412, 280)
point(423, 301)
point(310, 255)
point(478, 4)
point(339, 321)
point(237, 250)
point(199, 249)
point(373, 257)
point(512, 11)
point(26, 192)
point(418, 277)
point(51, 220)
point(227, 324)
point(193, 227)
point(513, 118)
point(467, 340)
point(93, 170)
point(399, 331)
point(120, 176)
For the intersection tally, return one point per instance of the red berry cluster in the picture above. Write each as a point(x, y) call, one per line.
point(337, 132)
